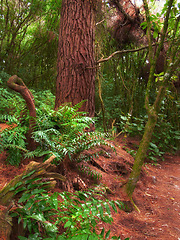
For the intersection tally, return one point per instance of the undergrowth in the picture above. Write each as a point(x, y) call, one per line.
point(76, 214)
point(60, 133)
point(165, 136)
point(57, 132)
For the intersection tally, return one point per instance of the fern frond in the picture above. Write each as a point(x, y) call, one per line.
point(8, 118)
point(6, 146)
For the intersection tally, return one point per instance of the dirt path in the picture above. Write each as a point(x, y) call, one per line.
point(159, 202)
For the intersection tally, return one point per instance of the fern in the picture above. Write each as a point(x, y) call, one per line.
point(14, 142)
point(91, 173)
point(8, 118)
point(59, 132)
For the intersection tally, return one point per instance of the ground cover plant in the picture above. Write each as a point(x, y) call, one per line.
point(77, 213)
point(62, 134)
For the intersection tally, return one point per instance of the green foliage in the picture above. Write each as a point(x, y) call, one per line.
point(122, 89)
point(12, 106)
point(62, 132)
point(155, 19)
point(79, 213)
point(165, 136)
point(59, 132)
point(29, 40)
point(14, 141)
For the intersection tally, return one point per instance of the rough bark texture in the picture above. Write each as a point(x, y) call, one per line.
point(76, 73)
point(5, 223)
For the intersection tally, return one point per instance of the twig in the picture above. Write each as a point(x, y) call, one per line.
point(123, 52)
point(100, 22)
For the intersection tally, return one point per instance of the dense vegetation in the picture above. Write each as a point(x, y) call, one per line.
point(29, 37)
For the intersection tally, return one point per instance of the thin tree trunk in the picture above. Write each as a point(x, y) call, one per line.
point(140, 156)
point(153, 110)
point(16, 84)
point(76, 72)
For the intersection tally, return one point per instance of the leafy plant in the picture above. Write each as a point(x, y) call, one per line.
point(14, 141)
point(59, 132)
point(79, 213)
point(62, 132)
point(165, 137)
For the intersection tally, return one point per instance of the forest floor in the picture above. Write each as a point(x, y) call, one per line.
point(157, 194)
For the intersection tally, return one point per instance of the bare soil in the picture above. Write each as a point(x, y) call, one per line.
point(157, 194)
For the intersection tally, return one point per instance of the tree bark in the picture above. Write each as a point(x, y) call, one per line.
point(76, 61)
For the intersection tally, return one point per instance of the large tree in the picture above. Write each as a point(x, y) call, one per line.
point(76, 60)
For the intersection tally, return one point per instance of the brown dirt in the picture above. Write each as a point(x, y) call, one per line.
point(157, 194)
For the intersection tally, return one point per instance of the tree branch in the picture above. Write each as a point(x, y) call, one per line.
point(123, 52)
point(16, 84)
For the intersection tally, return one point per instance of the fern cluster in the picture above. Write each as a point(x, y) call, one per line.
point(13, 140)
point(59, 132)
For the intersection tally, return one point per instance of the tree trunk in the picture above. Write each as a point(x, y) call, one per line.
point(140, 156)
point(76, 62)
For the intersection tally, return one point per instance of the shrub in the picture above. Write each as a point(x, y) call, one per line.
point(42, 214)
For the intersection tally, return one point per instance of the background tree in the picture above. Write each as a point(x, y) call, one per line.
point(28, 40)
point(171, 64)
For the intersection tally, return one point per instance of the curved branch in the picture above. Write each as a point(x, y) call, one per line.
point(121, 52)
point(17, 84)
